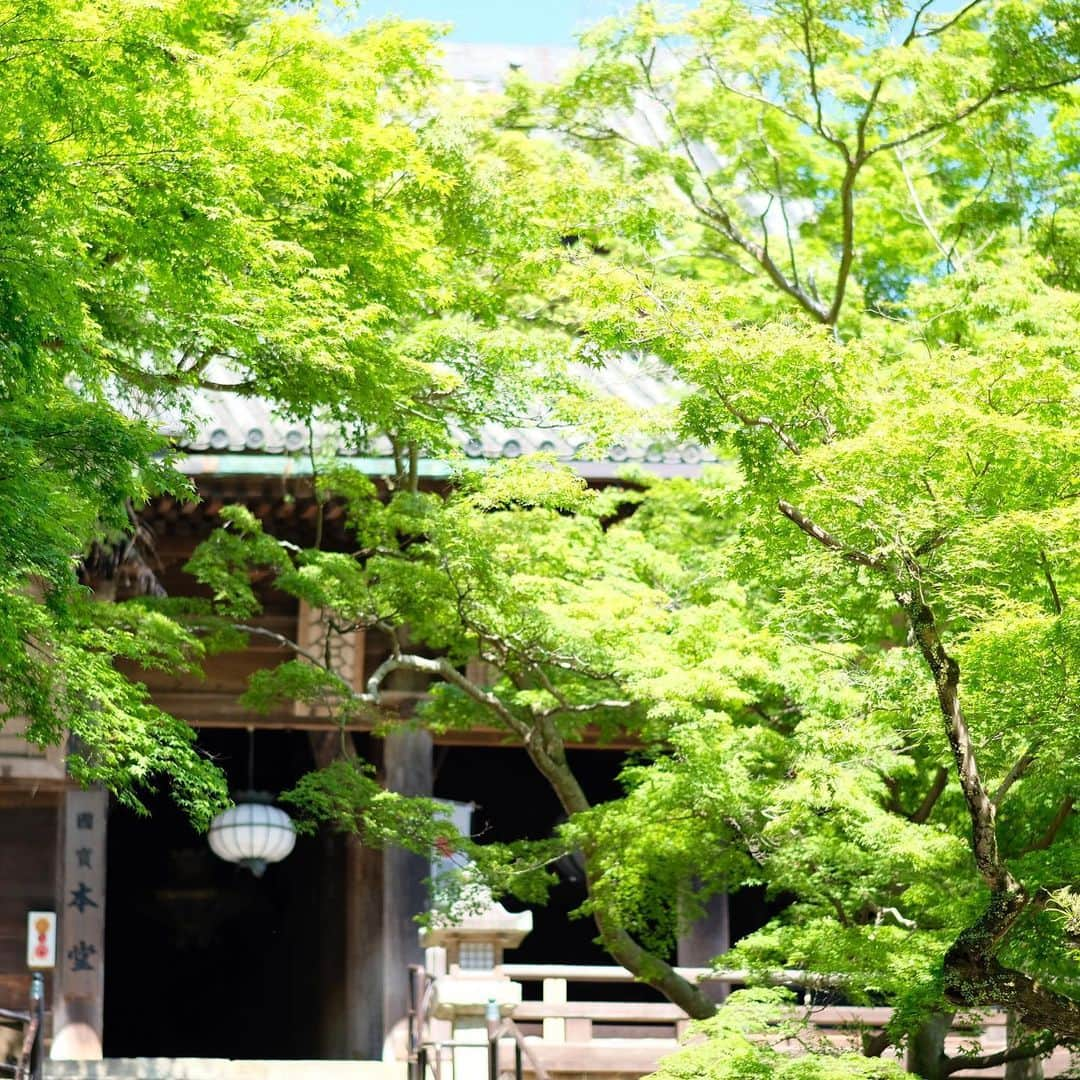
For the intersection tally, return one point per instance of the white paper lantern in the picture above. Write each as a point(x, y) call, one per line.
point(252, 833)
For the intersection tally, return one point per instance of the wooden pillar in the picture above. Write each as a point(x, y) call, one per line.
point(407, 768)
point(926, 1047)
point(364, 959)
point(80, 972)
point(707, 939)
point(1027, 1068)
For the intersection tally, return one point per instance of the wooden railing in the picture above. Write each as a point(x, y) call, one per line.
point(589, 1037)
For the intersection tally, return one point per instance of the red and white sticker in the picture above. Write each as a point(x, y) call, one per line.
point(41, 939)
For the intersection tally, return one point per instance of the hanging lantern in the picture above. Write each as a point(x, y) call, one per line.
point(253, 833)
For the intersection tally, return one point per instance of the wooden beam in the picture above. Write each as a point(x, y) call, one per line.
point(654, 1012)
point(221, 711)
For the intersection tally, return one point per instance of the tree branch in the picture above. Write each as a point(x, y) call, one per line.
point(826, 538)
point(926, 807)
point(1021, 766)
point(973, 976)
point(717, 218)
point(1051, 584)
point(946, 673)
point(280, 639)
point(946, 253)
point(815, 93)
point(1001, 1057)
point(442, 668)
point(968, 110)
point(592, 706)
point(919, 11)
point(763, 421)
point(944, 26)
point(1059, 819)
point(847, 240)
point(154, 380)
point(972, 973)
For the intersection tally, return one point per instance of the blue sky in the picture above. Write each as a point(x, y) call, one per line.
point(510, 22)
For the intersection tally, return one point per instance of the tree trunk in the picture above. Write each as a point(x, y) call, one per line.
point(973, 975)
point(548, 754)
point(926, 1048)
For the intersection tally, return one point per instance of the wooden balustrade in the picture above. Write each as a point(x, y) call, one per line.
point(628, 1038)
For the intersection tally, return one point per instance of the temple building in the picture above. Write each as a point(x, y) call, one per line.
point(310, 959)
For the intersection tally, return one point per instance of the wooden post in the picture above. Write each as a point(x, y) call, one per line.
point(926, 1046)
point(364, 976)
point(335, 1011)
point(407, 768)
point(707, 939)
point(554, 993)
point(365, 968)
point(80, 974)
point(1028, 1068)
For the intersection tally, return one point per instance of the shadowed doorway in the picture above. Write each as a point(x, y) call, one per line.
point(202, 958)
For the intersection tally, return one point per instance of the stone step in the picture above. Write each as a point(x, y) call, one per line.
point(221, 1069)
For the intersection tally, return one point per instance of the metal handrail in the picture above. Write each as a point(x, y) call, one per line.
point(28, 1067)
point(507, 1027)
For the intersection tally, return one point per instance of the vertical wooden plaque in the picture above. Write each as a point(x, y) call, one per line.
point(81, 957)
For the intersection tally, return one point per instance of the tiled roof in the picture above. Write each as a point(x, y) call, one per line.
point(228, 424)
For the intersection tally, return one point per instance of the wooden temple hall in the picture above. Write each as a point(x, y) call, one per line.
point(153, 946)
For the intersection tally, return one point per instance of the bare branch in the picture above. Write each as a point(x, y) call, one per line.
point(154, 380)
point(912, 32)
point(779, 177)
point(281, 639)
point(765, 422)
point(810, 55)
point(759, 98)
point(946, 673)
point(847, 241)
point(441, 667)
point(894, 913)
point(592, 706)
point(972, 973)
point(716, 217)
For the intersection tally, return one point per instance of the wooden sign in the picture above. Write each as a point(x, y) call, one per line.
point(40, 939)
point(84, 893)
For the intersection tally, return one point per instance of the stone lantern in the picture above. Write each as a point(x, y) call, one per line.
point(469, 988)
point(475, 942)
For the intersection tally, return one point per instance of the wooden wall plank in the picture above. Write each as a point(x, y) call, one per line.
point(28, 831)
